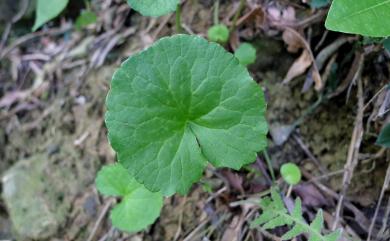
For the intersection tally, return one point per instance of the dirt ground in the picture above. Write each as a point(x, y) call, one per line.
point(53, 85)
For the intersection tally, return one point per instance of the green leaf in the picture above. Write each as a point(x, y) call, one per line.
point(291, 173)
point(384, 137)
point(246, 54)
point(277, 201)
point(264, 218)
point(275, 215)
point(86, 18)
point(365, 17)
point(276, 222)
point(137, 210)
point(295, 231)
point(47, 10)
point(139, 206)
point(318, 222)
point(154, 8)
point(114, 180)
point(218, 33)
point(180, 103)
point(297, 211)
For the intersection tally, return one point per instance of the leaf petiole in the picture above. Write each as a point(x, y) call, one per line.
point(178, 19)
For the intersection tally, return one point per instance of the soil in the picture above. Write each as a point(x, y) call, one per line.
point(55, 111)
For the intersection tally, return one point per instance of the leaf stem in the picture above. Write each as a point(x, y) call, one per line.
point(239, 10)
point(289, 191)
point(216, 12)
point(269, 164)
point(178, 19)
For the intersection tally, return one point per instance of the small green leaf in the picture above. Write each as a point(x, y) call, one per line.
point(297, 211)
point(318, 222)
point(137, 210)
point(264, 218)
point(180, 103)
point(365, 17)
point(47, 10)
point(86, 18)
point(153, 8)
point(277, 200)
point(295, 231)
point(218, 33)
point(291, 173)
point(139, 206)
point(246, 54)
point(384, 137)
point(275, 222)
point(114, 180)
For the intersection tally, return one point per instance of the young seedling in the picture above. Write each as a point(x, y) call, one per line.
point(179, 104)
point(86, 18)
point(275, 214)
point(246, 54)
point(218, 33)
point(291, 174)
point(139, 206)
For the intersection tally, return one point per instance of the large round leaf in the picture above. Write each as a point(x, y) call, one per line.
point(180, 103)
point(153, 8)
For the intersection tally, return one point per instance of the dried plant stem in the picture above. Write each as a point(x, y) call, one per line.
point(384, 188)
point(100, 218)
point(235, 18)
point(290, 187)
point(216, 12)
point(353, 152)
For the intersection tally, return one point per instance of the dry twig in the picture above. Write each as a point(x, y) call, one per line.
point(384, 188)
point(353, 152)
point(100, 218)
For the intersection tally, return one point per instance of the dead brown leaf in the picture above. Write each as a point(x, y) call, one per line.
point(296, 41)
point(310, 195)
point(232, 233)
point(235, 180)
point(299, 66)
point(293, 43)
point(256, 16)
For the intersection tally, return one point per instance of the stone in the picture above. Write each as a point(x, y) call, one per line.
point(28, 201)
